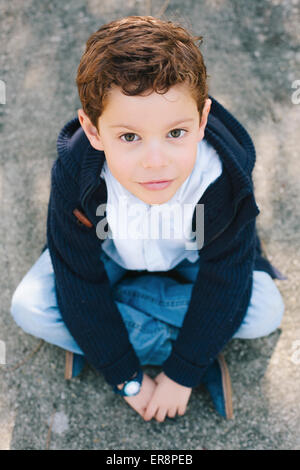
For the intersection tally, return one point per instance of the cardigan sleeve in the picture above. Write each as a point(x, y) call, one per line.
point(83, 291)
point(218, 304)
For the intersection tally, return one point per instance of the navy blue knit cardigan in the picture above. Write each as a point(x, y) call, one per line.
point(222, 291)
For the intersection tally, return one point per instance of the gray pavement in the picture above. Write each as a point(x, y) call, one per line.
point(252, 53)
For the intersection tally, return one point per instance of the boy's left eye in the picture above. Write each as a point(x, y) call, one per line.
point(176, 131)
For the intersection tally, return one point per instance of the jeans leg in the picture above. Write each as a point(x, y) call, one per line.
point(34, 306)
point(265, 310)
point(34, 303)
point(266, 307)
point(152, 307)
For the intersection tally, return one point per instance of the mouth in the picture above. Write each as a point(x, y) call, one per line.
point(156, 185)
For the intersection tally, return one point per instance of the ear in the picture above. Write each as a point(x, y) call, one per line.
point(90, 130)
point(205, 113)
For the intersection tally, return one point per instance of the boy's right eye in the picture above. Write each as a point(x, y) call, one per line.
point(128, 134)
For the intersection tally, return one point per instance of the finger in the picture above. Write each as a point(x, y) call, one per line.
point(160, 414)
point(150, 411)
point(181, 410)
point(172, 412)
point(141, 411)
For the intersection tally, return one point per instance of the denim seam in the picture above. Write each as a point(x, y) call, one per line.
point(143, 328)
point(152, 299)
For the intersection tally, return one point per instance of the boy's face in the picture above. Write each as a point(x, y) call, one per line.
point(147, 138)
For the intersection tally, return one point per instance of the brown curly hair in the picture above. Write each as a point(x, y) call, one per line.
point(139, 53)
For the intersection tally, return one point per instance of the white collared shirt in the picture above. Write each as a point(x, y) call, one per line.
point(157, 237)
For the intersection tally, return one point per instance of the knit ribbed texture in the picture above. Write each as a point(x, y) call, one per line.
point(84, 294)
point(222, 291)
point(217, 307)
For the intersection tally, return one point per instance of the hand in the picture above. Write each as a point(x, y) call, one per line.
point(140, 401)
point(169, 398)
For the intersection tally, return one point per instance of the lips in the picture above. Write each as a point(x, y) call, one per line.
point(156, 185)
point(154, 181)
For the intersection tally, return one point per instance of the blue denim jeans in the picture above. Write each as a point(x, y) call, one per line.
point(152, 305)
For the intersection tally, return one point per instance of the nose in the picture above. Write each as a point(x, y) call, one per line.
point(154, 157)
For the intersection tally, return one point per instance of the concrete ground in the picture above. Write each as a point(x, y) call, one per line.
point(252, 53)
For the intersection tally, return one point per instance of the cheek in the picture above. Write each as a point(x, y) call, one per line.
point(122, 170)
point(186, 164)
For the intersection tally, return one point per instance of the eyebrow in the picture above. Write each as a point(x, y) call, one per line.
point(182, 121)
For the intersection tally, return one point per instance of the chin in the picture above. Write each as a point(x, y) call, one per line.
point(159, 199)
point(155, 197)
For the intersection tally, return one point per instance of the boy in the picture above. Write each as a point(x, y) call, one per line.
point(149, 134)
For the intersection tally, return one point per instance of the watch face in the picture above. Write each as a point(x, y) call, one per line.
point(132, 387)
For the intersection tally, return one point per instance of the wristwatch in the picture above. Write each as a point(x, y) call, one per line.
point(131, 387)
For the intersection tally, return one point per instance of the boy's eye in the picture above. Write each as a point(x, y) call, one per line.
point(130, 139)
point(176, 131)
